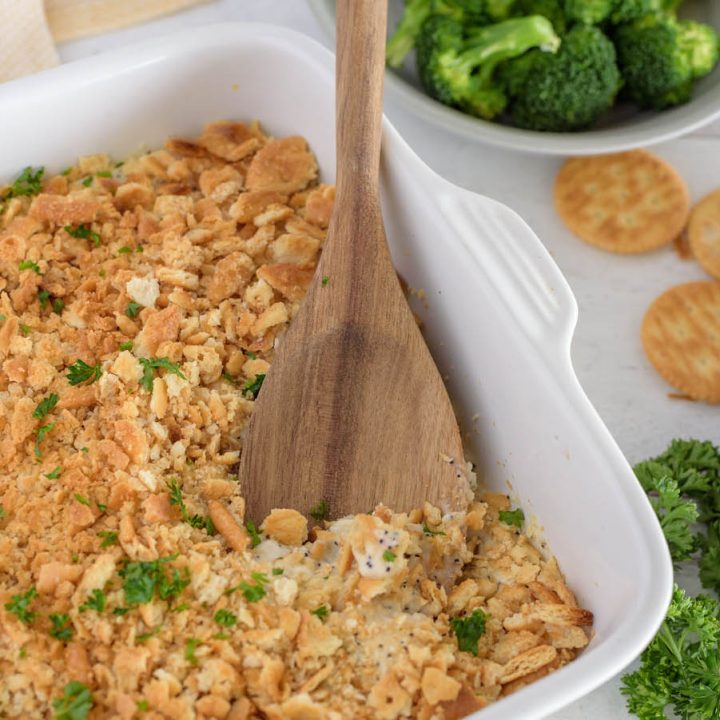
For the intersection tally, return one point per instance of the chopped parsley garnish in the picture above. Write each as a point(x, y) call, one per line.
point(82, 499)
point(87, 181)
point(109, 537)
point(25, 329)
point(389, 556)
point(150, 633)
point(227, 376)
point(62, 628)
point(515, 518)
point(180, 608)
point(45, 406)
point(42, 431)
point(255, 538)
point(43, 298)
point(196, 521)
point(325, 280)
point(29, 265)
point(2, 512)
point(468, 630)
point(66, 171)
point(260, 578)
point(133, 309)
point(142, 705)
point(224, 618)
point(124, 250)
point(120, 611)
point(27, 183)
point(75, 704)
point(83, 232)
point(321, 612)
point(104, 173)
point(80, 372)
point(152, 364)
point(190, 646)
point(429, 531)
point(252, 593)
point(3, 318)
point(19, 605)
point(95, 601)
point(146, 579)
point(102, 507)
point(126, 345)
point(278, 571)
point(55, 474)
point(58, 304)
point(251, 355)
point(252, 387)
point(320, 511)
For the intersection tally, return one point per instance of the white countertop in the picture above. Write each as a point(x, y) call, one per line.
point(612, 291)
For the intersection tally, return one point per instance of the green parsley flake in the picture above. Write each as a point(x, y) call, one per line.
point(252, 593)
point(29, 265)
point(102, 507)
point(150, 633)
point(430, 531)
point(224, 618)
point(28, 183)
point(19, 605)
point(124, 250)
point(109, 537)
point(45, 406)
point(255, 538)
point(87, 181)
point(62, 628)
point(515, 518)
point(58, 304)
point(320, 511)
point(66, 171)
point(251, 355)
point(95, 601)
point(42, 431)
point(190, 647)
point(43, 298)
point(133, 309)
point(196, 521)
point(126, 345)
point(83, 232)
point(75, 704)
point(146, 579)
point(468, 630)
point(55, 474)
point(321, 612)
point(278, 571)
point(152, 364)
point(389, 556)
point(103, 173)
point(252, 387)
point(325, 280)
point(80, 372)
point(25, 329)
point(142, 705)
point(82, 499)
point(2, 512)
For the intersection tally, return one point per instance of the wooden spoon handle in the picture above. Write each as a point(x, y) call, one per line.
point(361, 29)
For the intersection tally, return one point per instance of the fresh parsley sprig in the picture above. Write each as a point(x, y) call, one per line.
point(80, 372)
point(27, 183)
point(196, 521)
point(75, 703)
point(45, 406)
point(152, 364)
point(468, 630)
point(19, 606)
point(83, 232)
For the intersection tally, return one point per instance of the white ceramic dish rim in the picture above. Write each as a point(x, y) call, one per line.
point(646, 614)
point(651, 129)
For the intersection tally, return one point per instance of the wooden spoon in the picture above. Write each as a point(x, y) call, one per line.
point(353, 411)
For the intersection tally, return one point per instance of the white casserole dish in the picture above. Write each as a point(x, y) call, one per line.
point(499, 316)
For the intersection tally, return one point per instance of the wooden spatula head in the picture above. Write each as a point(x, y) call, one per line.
point(353, 411)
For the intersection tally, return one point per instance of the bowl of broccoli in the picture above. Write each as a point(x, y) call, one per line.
point(565, 77)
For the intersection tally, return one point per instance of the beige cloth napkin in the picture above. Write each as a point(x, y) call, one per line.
point(30, 28)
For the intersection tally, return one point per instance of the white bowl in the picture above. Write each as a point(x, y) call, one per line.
point(499, 315)
point(624, 129)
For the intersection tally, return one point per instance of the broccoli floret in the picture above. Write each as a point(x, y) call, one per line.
point(661, 58)
point(458, 70)
point(403, 39)
point(566, 91)
point(466, 12)
point(627, 10)
point(588, 12)
point(551, 9)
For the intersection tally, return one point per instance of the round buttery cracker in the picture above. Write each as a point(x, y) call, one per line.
point(704, 233)
point(627, 202)
point(681, 336)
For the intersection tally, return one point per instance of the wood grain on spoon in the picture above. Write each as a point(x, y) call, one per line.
point(353, 410)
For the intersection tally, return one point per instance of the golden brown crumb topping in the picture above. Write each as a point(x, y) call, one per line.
point(140, 305)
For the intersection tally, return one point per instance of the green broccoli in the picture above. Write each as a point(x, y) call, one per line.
point(566, 91)
point(458, 71)
point(588, 12)
point(551, 9)
point(627, 10)
point(467, 12)
point(661, 58)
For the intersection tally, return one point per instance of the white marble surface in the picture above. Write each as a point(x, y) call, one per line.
point(612, 291)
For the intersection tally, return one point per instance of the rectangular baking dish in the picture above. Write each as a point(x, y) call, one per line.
point(497, 313)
